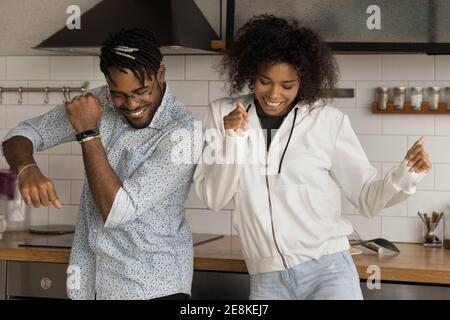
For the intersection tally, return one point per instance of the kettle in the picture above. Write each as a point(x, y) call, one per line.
point(12, 206)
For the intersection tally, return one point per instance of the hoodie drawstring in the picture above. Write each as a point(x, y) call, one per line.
point(289, 139)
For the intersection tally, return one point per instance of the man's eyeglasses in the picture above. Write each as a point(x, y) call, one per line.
point(140, 96)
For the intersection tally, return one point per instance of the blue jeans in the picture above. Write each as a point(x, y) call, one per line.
point(331, 277)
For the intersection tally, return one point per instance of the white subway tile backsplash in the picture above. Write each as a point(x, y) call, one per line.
point(190, 92)
point(408, 67)
point(398, 210)
point(71, 68)
point(402, 229)
point(18, 113)
point(363, 121)
point(59, 149)
point(2, 68)
point(198, 112)
point(408, 124)
point(207, 221)
point(2, 116)
point(428, 201)
point(38, 216)
point(202, 67)
point(367, 228)
point(384, 148)
point(98, 74)
point(175, 67)
point(27, 68)
point(365, 91)
point(344, 102)
point(66, 215)
point(442, 125)
point(63, 190)
point(217, 90)
point(42, 162)
point(442, 174)
point(359, 67)
point(443, 67)
point(76, 188)
point(76, 148)
point(66, 167)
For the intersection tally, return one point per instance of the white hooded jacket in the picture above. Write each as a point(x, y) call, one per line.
point(287, 200)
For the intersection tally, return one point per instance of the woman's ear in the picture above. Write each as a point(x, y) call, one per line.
point(161, 74)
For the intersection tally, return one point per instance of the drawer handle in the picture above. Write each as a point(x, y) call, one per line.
point(46, 283)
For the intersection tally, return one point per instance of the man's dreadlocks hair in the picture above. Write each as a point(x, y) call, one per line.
point(133, 49)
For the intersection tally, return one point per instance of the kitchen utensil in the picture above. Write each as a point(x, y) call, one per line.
point(431, 223)
point(381, 242)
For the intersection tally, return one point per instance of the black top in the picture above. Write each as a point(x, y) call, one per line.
point(269, 123)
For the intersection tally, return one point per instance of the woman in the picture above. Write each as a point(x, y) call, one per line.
point(287, 202)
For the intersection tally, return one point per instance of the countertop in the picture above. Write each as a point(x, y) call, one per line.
point(414, 264)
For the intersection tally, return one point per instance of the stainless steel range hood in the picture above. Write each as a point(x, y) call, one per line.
point(179, 25)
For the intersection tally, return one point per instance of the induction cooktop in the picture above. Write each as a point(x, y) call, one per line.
point(65, 240)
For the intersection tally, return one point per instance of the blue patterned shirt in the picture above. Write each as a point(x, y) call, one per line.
point(149, 254)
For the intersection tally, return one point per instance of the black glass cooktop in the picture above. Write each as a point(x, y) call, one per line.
point(65, 240)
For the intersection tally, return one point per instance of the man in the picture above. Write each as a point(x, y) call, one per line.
point(131, 240)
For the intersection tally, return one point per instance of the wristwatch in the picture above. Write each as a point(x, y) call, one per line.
point(88, 135)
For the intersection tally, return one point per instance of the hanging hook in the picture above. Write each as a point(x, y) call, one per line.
point(64, 94)
point(1, 94)
point(46, 95)
point(68, 94)
point(20, 95)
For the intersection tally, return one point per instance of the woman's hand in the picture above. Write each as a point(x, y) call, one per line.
point(417, 157)
point(236, 119)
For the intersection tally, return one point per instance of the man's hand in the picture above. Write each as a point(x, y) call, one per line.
point(237, 119)
point(36, 189)
point(417, 157)
point(84, 112)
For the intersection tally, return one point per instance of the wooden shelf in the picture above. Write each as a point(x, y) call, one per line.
point(407, 109)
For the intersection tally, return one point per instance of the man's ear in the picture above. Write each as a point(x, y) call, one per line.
point(161, 74)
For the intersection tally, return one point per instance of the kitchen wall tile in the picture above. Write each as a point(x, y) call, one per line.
point(194, 202)
point(442, 67)
point(63, 190)
point(38, 216)
point(384, 148)
point(175, 67)
point(367, 228)
point(59, 149)
point(2, 116)
point(217, 90)
point(13, 97)
point(202, 67)
point(198, 112)
point(365, 91)
point(27, 68)
point(207, 221)
point(76, 188)
point(408, 124)
point(98, 74)
point(71, 67)
point(76, 148)
point(18, 113)
point(92, 84)
point(2, 68)
point(408, 67)
point(359, 67)
point(66, 167)
point(190, 92)
point(442, 126)
point(442, 176)
point(401, 229)
point(426, 184)
point(398, 210)
point(437, 147)
point(363, 121)
point(54, 98)
point(66, 215)
point(428, 201)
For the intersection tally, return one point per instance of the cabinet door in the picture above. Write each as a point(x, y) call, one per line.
point(36, 280)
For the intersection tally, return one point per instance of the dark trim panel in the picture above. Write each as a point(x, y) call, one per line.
point(387, 47)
